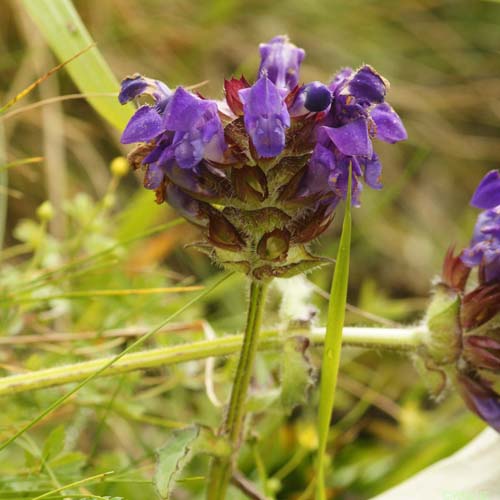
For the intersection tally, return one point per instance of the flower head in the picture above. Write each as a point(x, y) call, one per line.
point(464, 338)
point(261, 171)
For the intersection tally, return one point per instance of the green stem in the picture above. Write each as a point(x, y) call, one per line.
point(396, 339)
point(221, 468)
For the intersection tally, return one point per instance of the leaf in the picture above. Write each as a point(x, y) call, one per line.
point(54, 444)
point(333, 342)
point(296, 373)
point(259, 402)
point(179, 451)
point(66, 35)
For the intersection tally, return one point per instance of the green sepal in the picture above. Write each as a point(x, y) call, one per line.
point(443, 324)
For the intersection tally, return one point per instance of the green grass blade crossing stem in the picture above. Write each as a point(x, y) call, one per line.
point(66, 35)
point(333, 342)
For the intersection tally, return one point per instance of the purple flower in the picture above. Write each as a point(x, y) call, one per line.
point(481, 399)
point(357, 115)
point(146, 124)
point(187, 130)
point(336, 167)
point(266, 117)
point(484, 249)
point(198, 129)
point(280, 62)
point(487, 194)
point(137, 85)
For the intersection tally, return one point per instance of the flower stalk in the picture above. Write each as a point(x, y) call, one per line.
point(395, 339)
point(221, 469)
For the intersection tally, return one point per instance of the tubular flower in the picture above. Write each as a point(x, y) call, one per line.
point(464, 320)
point(262, 170)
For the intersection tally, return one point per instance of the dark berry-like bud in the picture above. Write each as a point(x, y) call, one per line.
point(318, 97)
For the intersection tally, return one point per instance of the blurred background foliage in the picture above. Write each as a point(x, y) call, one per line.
point(442, 59)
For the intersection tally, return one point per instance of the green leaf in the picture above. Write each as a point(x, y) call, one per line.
point(333, 342)
point(66, 35)
point(296, 373)
point(179, 451)
point(54, 444)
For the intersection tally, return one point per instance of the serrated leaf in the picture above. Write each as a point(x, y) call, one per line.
point(179, 451)
point(296, 373)
point(54, 444)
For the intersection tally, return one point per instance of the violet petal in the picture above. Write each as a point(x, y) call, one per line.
point(266, 117)
point(390, 128)
point(145, 125)
point(351, 139)
point(280, 62)
point(487, 194)
point(367, 85)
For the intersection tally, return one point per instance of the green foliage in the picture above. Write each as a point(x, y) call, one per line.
point(333, 341)
point(384, 426)
point(180, 449)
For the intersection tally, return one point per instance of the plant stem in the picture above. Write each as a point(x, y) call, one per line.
point(221, 468)
point(396, 339)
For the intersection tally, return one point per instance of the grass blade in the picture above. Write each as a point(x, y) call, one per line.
point(66, 35)
point(333, 343)
point(87, 480)
point(39, 81)
point(4, 178)
point(23, 161)
point(92, 294)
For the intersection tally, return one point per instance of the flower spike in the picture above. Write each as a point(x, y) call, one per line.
point(262, 171)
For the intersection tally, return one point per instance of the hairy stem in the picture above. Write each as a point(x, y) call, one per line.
point(222, 468)
point(397, 339)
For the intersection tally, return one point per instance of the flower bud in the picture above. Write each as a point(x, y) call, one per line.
point(119, 166)
point(45, 212)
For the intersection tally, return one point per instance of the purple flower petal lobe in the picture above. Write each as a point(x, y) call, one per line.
point(280, 62)
point(390, 128)
point(351, 139)
point(266, 117)
point(144, 126)
point(487, 194)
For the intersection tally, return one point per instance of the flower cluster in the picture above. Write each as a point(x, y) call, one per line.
point(262, 170)
point(464, 321)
